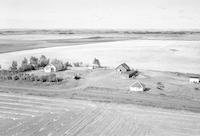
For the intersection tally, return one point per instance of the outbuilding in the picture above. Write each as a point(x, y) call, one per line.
point(194, 80)
point(137, 87)
point(122, 68)
point(129, 74)
point(50, 68)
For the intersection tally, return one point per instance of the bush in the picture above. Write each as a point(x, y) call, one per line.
point(43, 78)
point(25, 68)
point(25, 77)
point(58, 64)
point(32, 78)
point(59, 79)
point(13, 66)
point(9, 77)
point(15, 77)
point(77, 77)
point(37, 78)
point(77, 64)
point(52, 78)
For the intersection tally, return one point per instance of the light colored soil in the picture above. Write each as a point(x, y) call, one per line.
point(139, 54)
point(11, 43)
point(22, 115)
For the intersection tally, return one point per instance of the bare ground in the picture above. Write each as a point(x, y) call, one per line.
point(22, 115)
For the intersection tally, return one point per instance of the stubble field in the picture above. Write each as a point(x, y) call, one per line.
point(22, 115)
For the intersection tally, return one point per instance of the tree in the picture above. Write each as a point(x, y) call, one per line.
point(25, 66)
point(34, 62)
point(96, 62)
point(24, 62)
point(66, 65)
point(58, 64)
point(13, 66)
point(43, 61)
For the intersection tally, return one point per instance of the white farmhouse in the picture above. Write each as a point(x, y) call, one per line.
point(50, 68)
point(136, 87)
point(194, 80)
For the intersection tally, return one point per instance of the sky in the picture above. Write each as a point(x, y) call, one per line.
point(100, 14)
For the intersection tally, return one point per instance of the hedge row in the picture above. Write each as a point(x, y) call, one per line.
point(8, 75)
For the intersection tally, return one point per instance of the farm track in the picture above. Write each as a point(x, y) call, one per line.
point(25, 115)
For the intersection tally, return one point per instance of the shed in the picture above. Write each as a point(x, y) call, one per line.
point(194, 80)
point(50, 68)
point(137, 87)
point(129, 74)
point(122, 68)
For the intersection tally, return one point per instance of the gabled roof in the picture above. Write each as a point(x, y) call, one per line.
point(137, 84)
point(49, 66)
point(124, 65)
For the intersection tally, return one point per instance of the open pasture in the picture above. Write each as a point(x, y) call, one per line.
point(22, 115)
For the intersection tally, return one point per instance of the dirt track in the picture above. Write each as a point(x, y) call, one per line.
point(22, 115)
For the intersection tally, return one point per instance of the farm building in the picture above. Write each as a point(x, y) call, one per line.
point(194, 80)
point(122, 68)
point(50, 68)
point(136, 87)
point(129, 74)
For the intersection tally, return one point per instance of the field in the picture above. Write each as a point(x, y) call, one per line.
point(100, 103)
point(22, 115)
point(165, 51)
point(177, 56)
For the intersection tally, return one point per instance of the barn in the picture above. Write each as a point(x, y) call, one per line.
point(137, 87)
point(122, 68)
point(50, 68)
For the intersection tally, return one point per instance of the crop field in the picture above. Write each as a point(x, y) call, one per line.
point(22, 115)
point(163, 55)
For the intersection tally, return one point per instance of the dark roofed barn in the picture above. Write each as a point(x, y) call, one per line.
point(123, 68)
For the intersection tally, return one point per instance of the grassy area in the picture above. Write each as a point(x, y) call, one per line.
point(105, 85)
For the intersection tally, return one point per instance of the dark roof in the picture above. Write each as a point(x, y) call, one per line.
point(130, 72)
point(124, 65)
point(194, 77)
